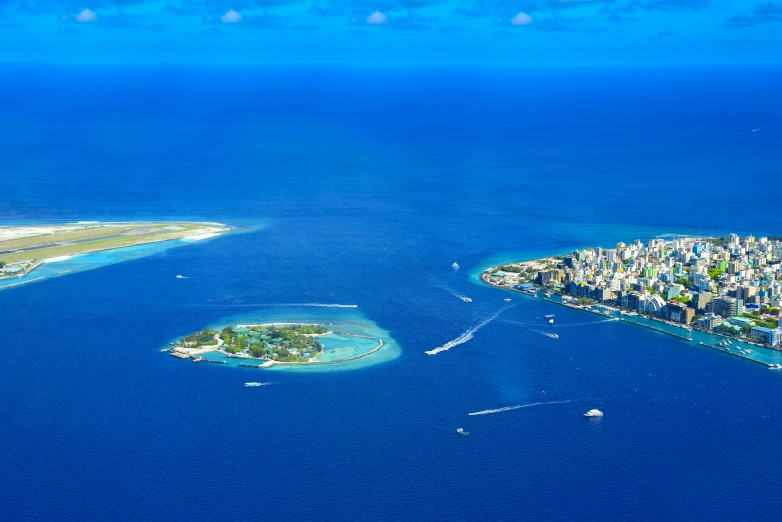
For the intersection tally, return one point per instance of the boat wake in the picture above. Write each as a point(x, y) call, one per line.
point(560, 325)
point(509, 408)
point(466, 336)
point(547, 334)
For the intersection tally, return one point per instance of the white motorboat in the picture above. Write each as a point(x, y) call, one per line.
point(593, 413)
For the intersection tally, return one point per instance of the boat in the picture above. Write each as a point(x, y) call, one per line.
point(180, 277)
point(461, 431)
point(593, 413)
point(550, 316)
point(252, 384)
point(455, 266)
point(775, 366)
point(748, 350)
point(507, 299)
point(64, 272)
point(551, 321)
point(466, 299)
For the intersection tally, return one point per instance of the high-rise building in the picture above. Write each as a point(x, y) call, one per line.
point(727, 306)
point(700, 301)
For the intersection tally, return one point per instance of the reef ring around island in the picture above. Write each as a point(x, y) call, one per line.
point(351, 342)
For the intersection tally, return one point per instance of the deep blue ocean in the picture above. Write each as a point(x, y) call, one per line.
point(362, 187)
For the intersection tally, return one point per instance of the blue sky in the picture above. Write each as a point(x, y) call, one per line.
point(392, 32)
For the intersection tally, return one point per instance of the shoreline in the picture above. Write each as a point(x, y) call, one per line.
point(209, 231)
point(485, 279)
point(196, 353)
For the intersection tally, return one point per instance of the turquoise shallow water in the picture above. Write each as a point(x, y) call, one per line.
point(374, 183)
point(338, 319)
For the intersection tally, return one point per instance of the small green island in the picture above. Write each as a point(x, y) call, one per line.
point(271, 344)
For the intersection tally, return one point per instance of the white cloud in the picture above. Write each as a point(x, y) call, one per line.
point(521, 19)
point(88, 15)
point(231, 17)
point(377, 18)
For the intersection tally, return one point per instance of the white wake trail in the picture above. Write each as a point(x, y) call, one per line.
point(509, 408)
point(466, 336)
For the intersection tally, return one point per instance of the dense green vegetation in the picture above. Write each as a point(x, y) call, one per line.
point(2, 264)
point(204, 337)
point(281, 343)
point(755, 316)
point(715, 273)
point(511, 268)
point(682, 299)
point(683, 281)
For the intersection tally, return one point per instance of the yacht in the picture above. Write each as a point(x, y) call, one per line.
point(455, 266)
point(461, 431)
point(252, 384)
point(593, 413)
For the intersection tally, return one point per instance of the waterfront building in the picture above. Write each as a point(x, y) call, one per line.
point(709, 321)
point(770, 336)
point(680, 313)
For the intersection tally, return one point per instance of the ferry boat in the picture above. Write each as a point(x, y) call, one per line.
point(252, 384)
point(593, 413)
point(461, 431)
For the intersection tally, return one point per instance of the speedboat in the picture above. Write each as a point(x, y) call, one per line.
point(466, 299)
point(252, 384)
point(180, 277)
point(593, 413)
point(461, 431)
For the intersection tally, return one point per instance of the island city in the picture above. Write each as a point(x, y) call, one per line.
point(729, 286)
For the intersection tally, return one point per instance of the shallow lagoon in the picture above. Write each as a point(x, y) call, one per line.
point(338, 318)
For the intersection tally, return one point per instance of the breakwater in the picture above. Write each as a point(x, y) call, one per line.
point(657, 329)
point(335, 361)
point(354, 335)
